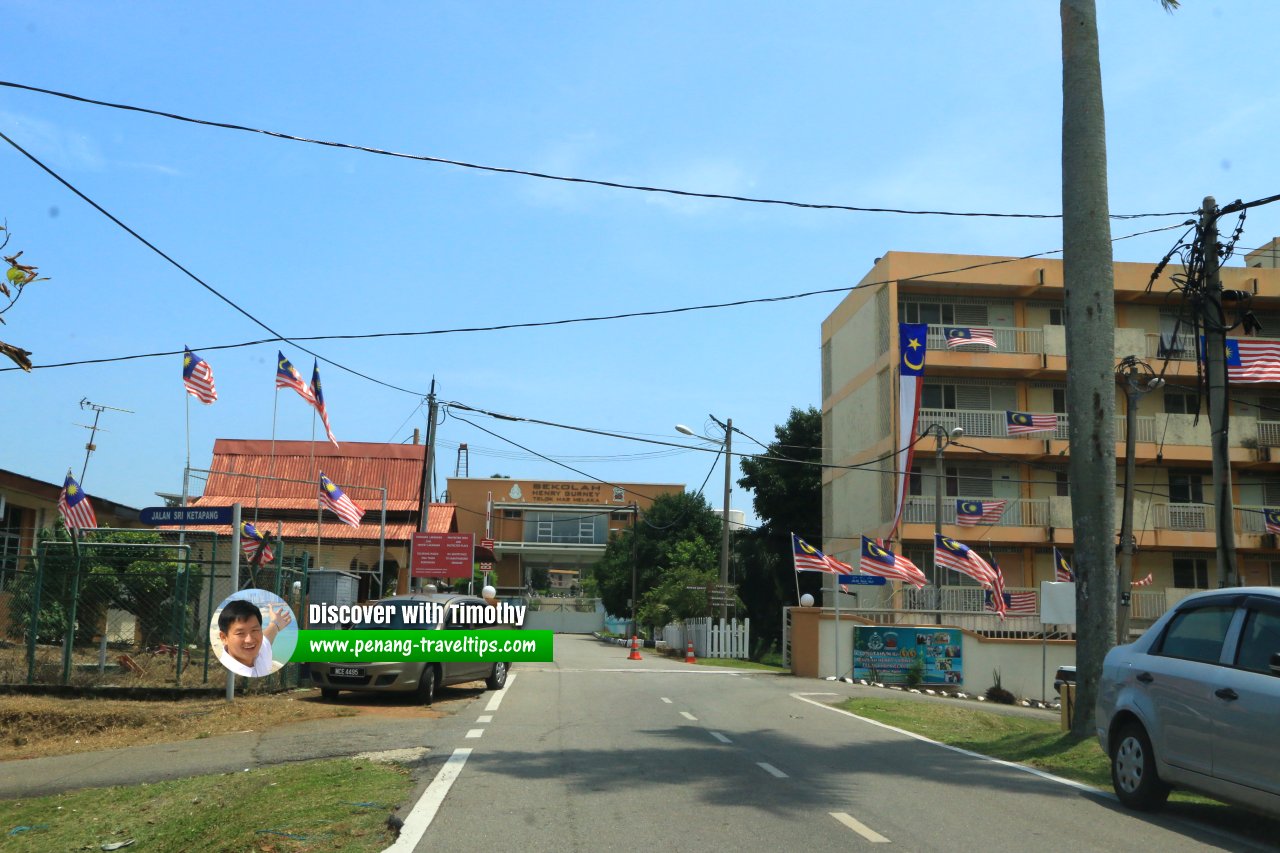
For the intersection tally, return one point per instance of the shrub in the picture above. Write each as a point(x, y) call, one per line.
point(996, 693)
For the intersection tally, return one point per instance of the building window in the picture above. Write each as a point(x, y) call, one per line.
point(620, 516)
point(1059, 401)
point(932, 313)
point(10, 544)
point(938, 396)
point(1186, 488)
point(565, 528)
point(1060, 481)
point(915, 486)
point(1275, 574)
point(1055, 316)
point(512, 513)
point(1191, 573)
point(1181, 403)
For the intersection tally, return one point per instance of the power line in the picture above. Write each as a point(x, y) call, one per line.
point(562, 322)
point(547, 176)
point(189, 273)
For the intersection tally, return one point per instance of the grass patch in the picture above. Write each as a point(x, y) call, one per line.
point(308, 806)
point(734, 663)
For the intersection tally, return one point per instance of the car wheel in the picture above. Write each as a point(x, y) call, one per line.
point(329, 692)
point(498, 678)
point(1133, 770)
point(427, 685)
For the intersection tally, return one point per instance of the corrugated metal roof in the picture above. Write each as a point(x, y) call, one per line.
point(440, 519)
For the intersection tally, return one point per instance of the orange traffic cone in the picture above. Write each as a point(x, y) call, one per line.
point(688, 655)
point(635, 649)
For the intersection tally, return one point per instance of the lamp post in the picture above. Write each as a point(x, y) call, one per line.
point(1137, 378)
point(944, 440)
point(727, 442)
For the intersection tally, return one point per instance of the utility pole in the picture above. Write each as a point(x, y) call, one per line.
point(428, 457)
point(724, 532)
point(1215, 345)
point(98, 409)
point(1131, 373)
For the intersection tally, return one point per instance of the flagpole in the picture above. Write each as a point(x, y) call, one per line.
point(315, 475)
point(271, 462)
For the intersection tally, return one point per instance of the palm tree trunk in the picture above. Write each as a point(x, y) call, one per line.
point(1089, 317)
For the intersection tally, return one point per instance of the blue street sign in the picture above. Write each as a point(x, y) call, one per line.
point(185, 515)
point(863, 580)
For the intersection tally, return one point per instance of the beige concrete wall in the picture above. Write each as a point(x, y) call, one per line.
point(1055, 340)
point(854, 345)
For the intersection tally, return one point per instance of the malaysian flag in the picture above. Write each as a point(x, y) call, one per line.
point(250, 539)
point(950, 554)
point(287, 376)
point(877, 561)
point(810, 559)
point(318, 396)
point(1015, 603)
point(1252, 360)
point(1271, 517)
point(965, 337)
point(74, 506)
point(969, 513)
point(1062, 569)
point(997, 599)
point(341, 505)
point(1019, 423)
point(1147, 581)
point(197, 375)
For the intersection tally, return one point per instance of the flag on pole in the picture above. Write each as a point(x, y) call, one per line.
point(878, 561)
point(287, 376)
point(996, 596)
point(74, 506)
point(1271, 517)
point(809, 559)
point(950, 554)
point(1147, 581)
point(965, 337)
point(1019, 423)
point(970, 513)
point(1251, 361)
point(341, 505)
point(197, 375)
point(912, 338)
point(250, 539)
point(318, 396)
point(1062, 569)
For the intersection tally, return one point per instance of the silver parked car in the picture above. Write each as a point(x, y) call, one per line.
point(415, 677)
point(1195, 703)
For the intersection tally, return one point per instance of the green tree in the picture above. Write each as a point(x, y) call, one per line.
point(1089, 317)
point(693, 565)
point(670, 520)
point(787, 486)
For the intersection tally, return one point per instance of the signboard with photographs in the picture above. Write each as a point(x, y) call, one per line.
point(889, 654)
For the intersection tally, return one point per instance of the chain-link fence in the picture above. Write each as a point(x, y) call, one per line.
point(131, 608)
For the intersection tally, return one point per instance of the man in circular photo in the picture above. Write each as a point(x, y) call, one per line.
point(246, 645)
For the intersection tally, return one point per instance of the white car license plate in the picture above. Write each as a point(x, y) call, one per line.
point(349, 671)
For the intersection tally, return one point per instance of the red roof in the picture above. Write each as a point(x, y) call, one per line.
point(284, 475)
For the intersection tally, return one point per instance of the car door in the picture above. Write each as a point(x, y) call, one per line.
point(1246, 747)
point(1177, 679)
point(457, 671)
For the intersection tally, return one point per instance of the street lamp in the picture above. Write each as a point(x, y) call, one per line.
point(944, 440)
point(727, 442)
point(1137, 378)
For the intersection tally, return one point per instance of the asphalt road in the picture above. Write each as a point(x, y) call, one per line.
point(598, 753)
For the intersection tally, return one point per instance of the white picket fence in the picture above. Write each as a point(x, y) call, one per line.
point(711, 639)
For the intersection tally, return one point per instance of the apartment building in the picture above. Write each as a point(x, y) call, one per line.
point(973, 386)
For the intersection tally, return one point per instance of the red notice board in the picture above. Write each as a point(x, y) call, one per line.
point(442, 555)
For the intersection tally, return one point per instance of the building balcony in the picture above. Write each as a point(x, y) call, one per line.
point(1008, 340)
point(1019, 512)
point(988, 424)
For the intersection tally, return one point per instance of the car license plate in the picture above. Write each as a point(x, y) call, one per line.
point(349, 671)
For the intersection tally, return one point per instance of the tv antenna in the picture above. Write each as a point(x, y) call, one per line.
point(98, 409)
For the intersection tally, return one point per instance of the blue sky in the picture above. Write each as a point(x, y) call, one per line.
point(907, 104)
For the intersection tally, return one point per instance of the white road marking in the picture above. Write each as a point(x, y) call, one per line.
point(771, 770)
point(860, 828)
point(665, 699)
point(720, 737)
point(498, 694)
point(697, 671)
point(688, 716)
point(424, 811)
point(485, 718)
point(475, 733)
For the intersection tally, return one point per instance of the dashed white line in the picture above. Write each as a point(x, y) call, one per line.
point(688, 716)
point(497, 696)
point(771, 770)
point(485, 718)
point(720, 737)
point(424, 811)
point(860, 828)
point(475, 732)
point(665, 699)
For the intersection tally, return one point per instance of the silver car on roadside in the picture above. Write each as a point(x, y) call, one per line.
point(1195, 703)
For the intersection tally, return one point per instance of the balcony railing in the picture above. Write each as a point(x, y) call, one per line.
point(1029, 512)
point(1192, 517)
point(986, 424)
point(1008, 340)
point(1269, 433)
point(1181, 347)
